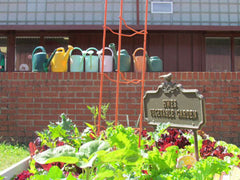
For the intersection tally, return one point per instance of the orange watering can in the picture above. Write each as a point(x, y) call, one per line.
point(60, 59)
point(138, 61)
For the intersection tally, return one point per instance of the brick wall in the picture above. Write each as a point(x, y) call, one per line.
point(28, 101)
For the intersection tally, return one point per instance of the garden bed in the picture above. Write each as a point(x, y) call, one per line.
point(62, 152)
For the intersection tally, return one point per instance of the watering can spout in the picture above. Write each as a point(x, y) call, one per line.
point(113, 48)
point(66, 56)
point(49, 59)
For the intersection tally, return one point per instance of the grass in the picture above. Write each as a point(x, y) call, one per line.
point(11, 154)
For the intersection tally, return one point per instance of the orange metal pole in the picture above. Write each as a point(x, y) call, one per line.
point(143, 74)
point(102, 73)
point(118, 67)
point(143, 32)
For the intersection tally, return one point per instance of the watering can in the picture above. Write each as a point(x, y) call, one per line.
point(155, 64)
point(77, 61)
point(138, 61)
point(2, 62)
point(40, 61)
point(91, 61)
point(60, 59)
point(108, 61)
point(125, 59)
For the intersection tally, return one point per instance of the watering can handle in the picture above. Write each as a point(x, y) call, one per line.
point(76, 48)
point(37, 48)
point(92, 48)
point(138, 49)
point(60, 49)
point(105, 49)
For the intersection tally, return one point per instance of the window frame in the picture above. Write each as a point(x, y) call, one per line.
point(227, 35)
point(159, 12)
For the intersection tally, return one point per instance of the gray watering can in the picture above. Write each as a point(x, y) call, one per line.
point(108, 61)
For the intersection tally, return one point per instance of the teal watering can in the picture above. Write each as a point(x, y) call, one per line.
point(154, 64)
point(40, 61)
point(125, 59)
point(2, 62)
point(108, 61)
point(77, 61)
point(91, 61)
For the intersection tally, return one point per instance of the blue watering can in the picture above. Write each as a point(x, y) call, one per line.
point(77, 61)
point(91, 61)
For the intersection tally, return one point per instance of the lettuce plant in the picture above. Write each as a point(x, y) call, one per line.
point(63, 132)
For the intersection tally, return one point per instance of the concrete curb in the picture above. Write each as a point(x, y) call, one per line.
point(15, 169)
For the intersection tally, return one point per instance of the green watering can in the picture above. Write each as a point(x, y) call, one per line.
point(91, 61)
point(2, 62)
point(40, 61)
point(125, 59)
point(154, 64)
point(77, 61)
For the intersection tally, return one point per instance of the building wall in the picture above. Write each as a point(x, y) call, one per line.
point(80, 12)
point(29, 101)
point(179, 51)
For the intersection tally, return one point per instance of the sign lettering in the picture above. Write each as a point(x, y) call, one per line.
point(183, 108)
point(171, 111)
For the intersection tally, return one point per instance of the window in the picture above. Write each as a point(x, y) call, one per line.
point(3, 53)
point(51, 43)
point(161, 7)
point(237, 54)
point(24, 49)
point(218, 54)
point(25, 46)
